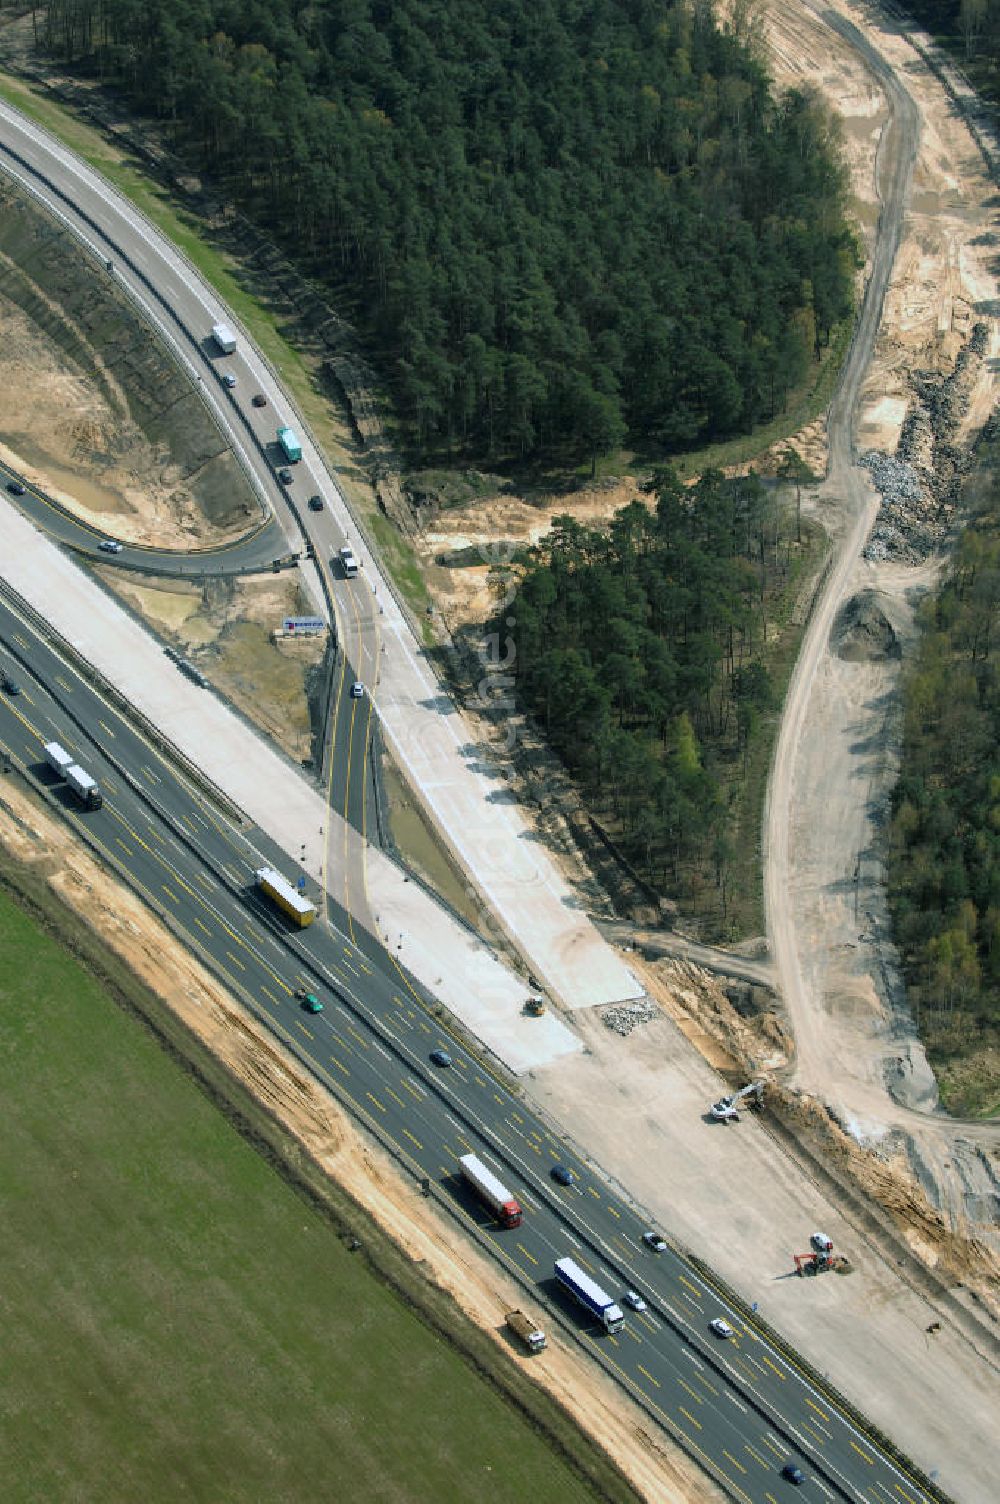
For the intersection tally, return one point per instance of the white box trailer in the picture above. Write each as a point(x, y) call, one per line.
point(224, 338)
point(589, 1294)
point(58, 759)
point(491, 1190)
point(84, 787)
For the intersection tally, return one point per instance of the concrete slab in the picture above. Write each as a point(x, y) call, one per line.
point(489, 836)
point(448, 959)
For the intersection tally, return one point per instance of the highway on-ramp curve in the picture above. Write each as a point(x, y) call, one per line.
point(741, 1407)
point(490, 838)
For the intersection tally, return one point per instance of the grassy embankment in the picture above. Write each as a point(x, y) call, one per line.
point(183, 1318)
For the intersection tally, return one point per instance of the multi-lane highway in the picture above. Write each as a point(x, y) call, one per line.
point(491, 839)
point(741, 1407)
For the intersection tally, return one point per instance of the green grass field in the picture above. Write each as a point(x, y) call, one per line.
point(181, 1322)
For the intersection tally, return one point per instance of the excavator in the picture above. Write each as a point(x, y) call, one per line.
point(726, 1109)
point(821, 1257)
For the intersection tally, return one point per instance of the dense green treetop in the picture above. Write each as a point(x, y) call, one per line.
point(562, 224)
point(945, 835)
point(637, 647)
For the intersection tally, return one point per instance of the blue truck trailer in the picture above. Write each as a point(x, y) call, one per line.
point(589, 1293)
point(290, 446)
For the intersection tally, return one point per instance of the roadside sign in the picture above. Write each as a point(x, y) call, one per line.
point(303, 626)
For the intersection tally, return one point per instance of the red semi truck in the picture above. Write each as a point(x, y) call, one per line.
point(491, 1190)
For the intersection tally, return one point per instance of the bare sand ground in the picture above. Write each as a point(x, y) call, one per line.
point(857, 1046)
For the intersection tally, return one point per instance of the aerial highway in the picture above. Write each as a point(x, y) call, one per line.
point(525, 890)
point(741, 1406)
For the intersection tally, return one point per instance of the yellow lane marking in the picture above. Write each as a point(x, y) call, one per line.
point(235, 960)
point(702, 1379)
point(359, 1037)
point(302, 1026)
point(692, 1392)
point(908, 1497)
point(690, 1417)
point(413, 1091)
point(172, 896)
point(864, 1455)
point(773, 1366)
point(733, 1460)
point(413, 1138)
point(517, 1119)
point(125, 848)
point(595, 1194)
point(105, 727)
point(775, 1449)
point(202, 926)
point(693, 1288)
point(395, 1096)
point(339, 1065)
point(755, 1455)
point(821, 1413)
point(268, 993)
point(378, 1104)
point(613, 1212)
point(649, 1376)
point(672, 1425)
point(527, 1255)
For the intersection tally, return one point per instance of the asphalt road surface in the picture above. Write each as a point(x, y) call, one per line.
point(741, 1407)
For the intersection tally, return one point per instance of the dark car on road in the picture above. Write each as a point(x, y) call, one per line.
point(793, 1474)
point(315, 503)
point(563, 1175)
point(10, 686)
point(440, 1057)
point(15, 488)
point(285, 476)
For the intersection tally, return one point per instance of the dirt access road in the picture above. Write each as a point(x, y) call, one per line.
point(856, 1045)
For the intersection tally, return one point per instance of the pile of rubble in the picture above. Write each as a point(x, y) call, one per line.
point(910, 522)
point(622, 1018)
point(921, 483)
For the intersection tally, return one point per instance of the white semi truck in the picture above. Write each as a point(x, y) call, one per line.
point(224, 338)
point(84, 787)
point(589, 1293)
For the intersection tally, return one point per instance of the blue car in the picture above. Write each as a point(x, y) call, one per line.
point(793, 1474)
